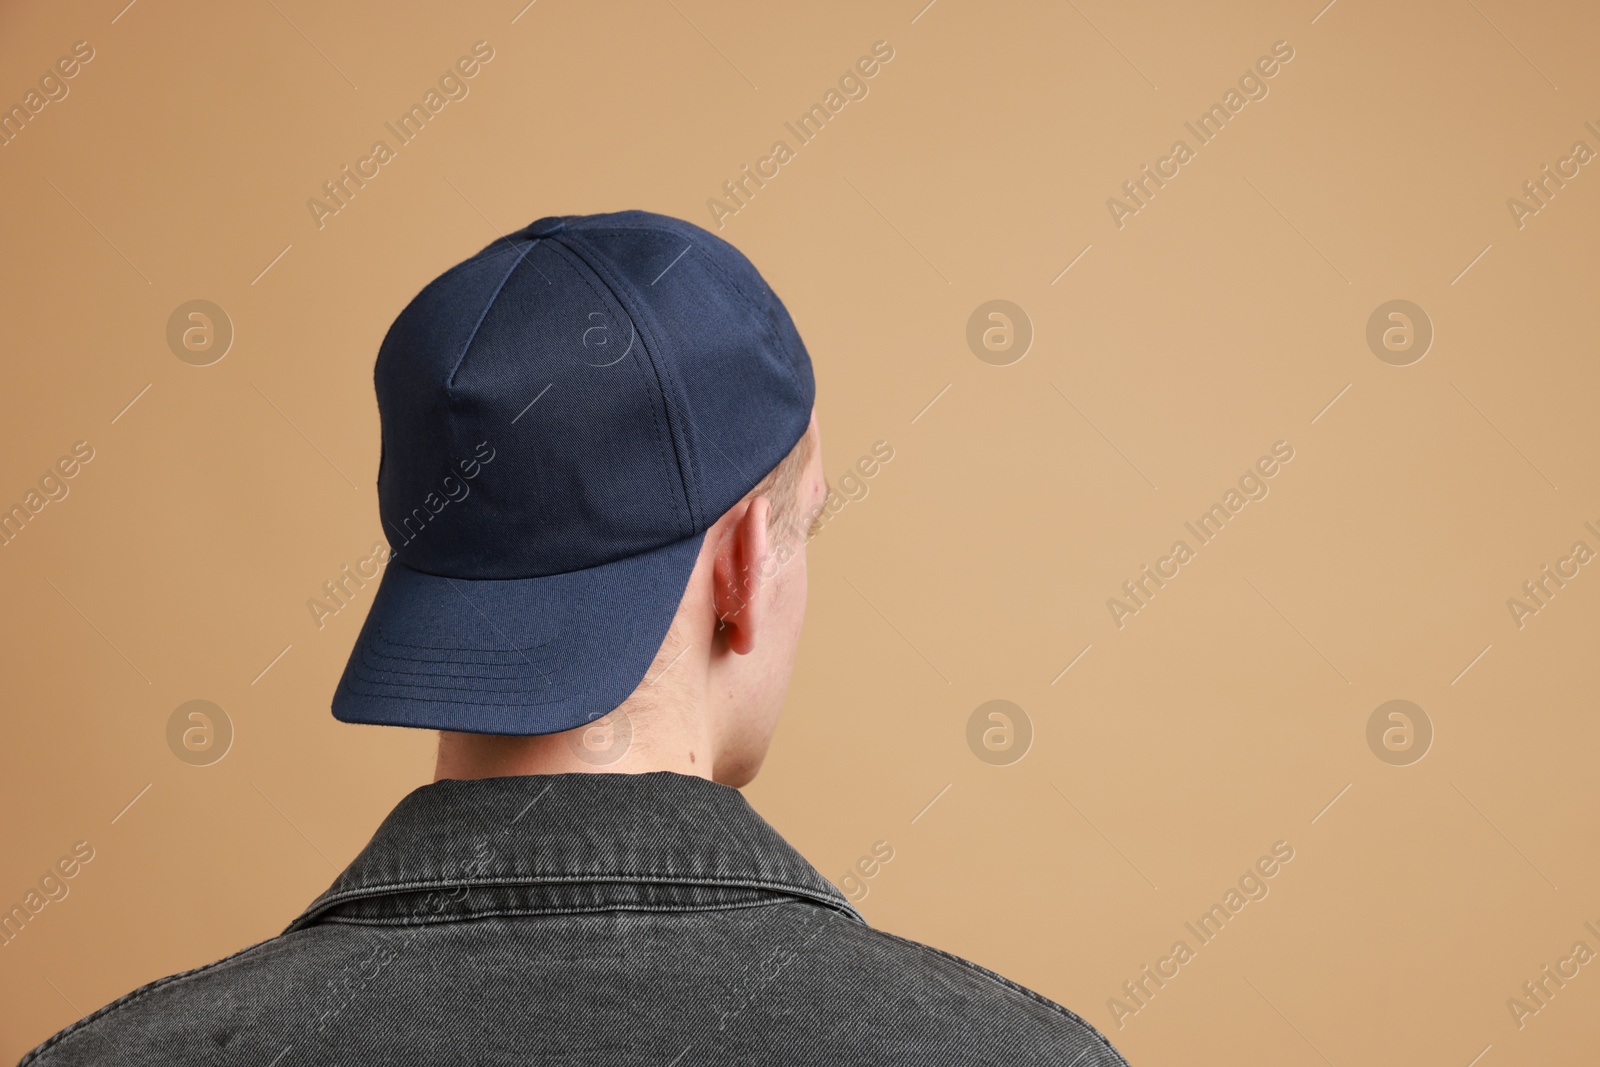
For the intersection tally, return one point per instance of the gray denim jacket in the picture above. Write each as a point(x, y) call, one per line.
point(580, 918)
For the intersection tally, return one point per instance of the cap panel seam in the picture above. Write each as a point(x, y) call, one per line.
point(589, 279)
point(450, 382)
point(597, 263)
point(761, 312)
point(382, 452)
point(488, 252)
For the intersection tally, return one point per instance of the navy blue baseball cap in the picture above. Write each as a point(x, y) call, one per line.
point(563, 417)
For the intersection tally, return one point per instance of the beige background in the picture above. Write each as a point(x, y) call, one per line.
point(1223, 317)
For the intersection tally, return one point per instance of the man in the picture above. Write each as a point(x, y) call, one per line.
point(599, 462)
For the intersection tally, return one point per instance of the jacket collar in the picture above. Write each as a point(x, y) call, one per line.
point(566, 842)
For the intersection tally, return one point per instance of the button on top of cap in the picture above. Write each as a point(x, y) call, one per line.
point(547, 227)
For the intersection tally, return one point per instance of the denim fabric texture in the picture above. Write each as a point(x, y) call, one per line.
point(581, 919)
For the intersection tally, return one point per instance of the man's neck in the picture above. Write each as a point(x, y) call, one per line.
point(616, 744)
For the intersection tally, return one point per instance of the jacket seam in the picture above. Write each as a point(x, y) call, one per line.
point(497, 913)
point(132, 995)
point(1002, 980)
point(322, 905)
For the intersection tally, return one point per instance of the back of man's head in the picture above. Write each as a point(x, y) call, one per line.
point(599, 461)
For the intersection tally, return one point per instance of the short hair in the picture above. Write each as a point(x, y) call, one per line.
point(781, 487)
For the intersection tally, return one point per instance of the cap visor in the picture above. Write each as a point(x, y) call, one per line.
point(520, 656)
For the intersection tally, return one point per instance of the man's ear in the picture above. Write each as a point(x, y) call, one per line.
point(736, 577)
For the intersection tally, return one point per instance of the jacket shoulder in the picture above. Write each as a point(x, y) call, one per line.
point(986, 1009)
point(91, 1040)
